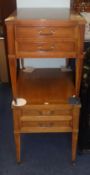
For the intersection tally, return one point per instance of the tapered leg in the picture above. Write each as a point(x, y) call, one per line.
point(17, 142)
point(79, 67)
point(75, 129)
point(16, 122)
point(74, 145)
point(13, 75)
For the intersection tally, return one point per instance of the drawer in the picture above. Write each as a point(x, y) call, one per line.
point(29, 123)
point(60, 46)
point(45, 124)
point(29, 32)
point(46, 112)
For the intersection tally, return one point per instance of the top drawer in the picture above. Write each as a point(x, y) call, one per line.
point(30, 32)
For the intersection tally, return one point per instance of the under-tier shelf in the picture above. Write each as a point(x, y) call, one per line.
point(50, 86)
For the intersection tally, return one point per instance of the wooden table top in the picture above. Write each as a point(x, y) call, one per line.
point(45, 86)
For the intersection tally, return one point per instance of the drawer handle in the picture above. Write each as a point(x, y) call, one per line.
point(47, 33)
point(47, 49)
point(46, 112)
point(50, 124)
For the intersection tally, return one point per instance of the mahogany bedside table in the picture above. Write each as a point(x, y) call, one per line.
point(51, 94)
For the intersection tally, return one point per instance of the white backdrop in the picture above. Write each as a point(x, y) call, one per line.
point(43, 3)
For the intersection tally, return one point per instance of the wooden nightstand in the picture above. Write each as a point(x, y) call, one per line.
point(52, 96)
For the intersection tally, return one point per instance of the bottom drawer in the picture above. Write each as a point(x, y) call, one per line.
point(45, 124)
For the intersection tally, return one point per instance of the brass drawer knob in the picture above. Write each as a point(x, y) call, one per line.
point(49, 124)
point(41, 48)
point(46, 112)
point(46, 32)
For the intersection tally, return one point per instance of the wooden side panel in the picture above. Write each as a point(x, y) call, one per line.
point(3, 63)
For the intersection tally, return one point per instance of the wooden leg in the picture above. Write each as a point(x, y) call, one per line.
point(13, 75)
point(74, 145)
point(16, 122)
point(17, 142)
point(75, 128)
point(79, 67)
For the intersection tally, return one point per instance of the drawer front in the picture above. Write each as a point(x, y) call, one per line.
point(28, 46)
point(48, 41)
point(45, 118)
point(29, 32)
point(46, 112)
point(45, 123)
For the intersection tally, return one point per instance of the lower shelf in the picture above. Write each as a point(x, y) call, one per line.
point(45, 86)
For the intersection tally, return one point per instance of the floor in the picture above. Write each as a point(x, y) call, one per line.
point(42, 154)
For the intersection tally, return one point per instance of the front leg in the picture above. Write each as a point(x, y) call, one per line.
point(79, 68)
point(13, 75)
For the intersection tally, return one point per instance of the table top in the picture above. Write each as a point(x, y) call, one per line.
point(45, 85)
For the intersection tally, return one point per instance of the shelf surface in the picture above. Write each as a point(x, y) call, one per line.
point(43, 86)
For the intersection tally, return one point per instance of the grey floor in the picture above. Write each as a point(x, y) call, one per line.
point(41, 154)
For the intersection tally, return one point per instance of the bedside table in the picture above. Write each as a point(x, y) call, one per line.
point(51, 95)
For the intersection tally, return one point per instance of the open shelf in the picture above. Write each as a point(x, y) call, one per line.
point(45, 86)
